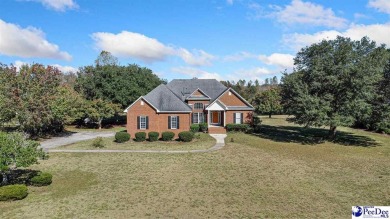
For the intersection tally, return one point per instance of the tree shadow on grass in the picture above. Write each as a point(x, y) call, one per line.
point(312, 136)
point(19, 176)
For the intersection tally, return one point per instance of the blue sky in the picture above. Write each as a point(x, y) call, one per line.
point(222, 39)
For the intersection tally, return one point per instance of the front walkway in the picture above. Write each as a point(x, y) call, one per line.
point(219, 144)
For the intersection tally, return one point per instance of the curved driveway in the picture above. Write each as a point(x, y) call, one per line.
point(52, 143)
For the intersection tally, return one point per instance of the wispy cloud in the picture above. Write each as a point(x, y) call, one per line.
point(27, 42)
point(380, 5)
point(139, 46)
point(376, 32)
point(299, 12)
point(57, 5)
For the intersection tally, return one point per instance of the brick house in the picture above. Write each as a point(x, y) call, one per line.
point(182, 102)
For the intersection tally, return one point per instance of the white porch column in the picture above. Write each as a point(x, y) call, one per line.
point(209, 118)
point(224, 118)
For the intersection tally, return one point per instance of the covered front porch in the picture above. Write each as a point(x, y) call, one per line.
point(216, 118)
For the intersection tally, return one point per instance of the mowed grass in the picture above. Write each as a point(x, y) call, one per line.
point(271, 175)
point(202, 141)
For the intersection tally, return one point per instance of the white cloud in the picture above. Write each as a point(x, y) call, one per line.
point(302, 13)
point(377, 32)
point(239, 57)
point(380, 5)
point(229, 2)
point(27, 42)
point(58, 5)
point(65, 69)
point(278, 59)
point(194, 72)
point(135, 45)
point(197, 58)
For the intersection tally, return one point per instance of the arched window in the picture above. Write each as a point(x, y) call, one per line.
point(198, 106)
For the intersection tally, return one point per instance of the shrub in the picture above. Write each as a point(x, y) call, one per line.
point(203, 127)
point(121, 137)
point(153, 136)
point(237, 127)
point(256, 121)
point(167, 136)
point(42, 179)
point(13, 192)
point(194, 128)
point(98, 142)
point(140, 136)
point(186, 136)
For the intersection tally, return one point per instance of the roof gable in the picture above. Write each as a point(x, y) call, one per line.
point(183, 88)
point(198, 94)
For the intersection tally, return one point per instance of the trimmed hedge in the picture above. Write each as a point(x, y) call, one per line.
point(186, 136)
point(194, 128)
point(140, 136)
point(203, 126)
point(153, 136)
point(237, 127)
point(167, 136)
point(13, 192)
point(42, 179)
point(121, 137)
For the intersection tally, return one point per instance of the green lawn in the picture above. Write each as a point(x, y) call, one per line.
point(284, 172)
point(204, 141)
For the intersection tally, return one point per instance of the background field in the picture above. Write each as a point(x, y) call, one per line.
point(285, 172)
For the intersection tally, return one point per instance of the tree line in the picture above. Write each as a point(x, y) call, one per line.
point(41, 100)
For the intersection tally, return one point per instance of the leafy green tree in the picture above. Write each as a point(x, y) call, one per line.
point(332, 81)
point(268, 102)
point(66, 107)
point(16, 151)
point(97, 110)
point(114, 83)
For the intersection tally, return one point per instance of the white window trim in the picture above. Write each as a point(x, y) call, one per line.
point(140, 122)
point(197, 117)
point(238, 117)
point(172, 117)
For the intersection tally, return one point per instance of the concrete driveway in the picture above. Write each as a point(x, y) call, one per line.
point(73, 138)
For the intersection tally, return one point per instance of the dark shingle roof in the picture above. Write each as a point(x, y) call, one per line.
point(165, 100)
point(184, 87)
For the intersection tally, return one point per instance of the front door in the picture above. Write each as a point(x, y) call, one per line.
point(215, 117)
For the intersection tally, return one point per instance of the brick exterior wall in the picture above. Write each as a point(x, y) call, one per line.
point(158, 122)
point(231, 100)
point(248, 116)
point(205, 102)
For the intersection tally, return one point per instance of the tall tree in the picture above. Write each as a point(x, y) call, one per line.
point(97, 110)
point(332, 81)
point(117, 84)
point(268, 102)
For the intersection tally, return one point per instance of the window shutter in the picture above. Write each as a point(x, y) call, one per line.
point(138, 122)
point(178, 122)
point(147, 122)
point(234, 118)
point(169, 122)
point(242, 118)
point(192, 118)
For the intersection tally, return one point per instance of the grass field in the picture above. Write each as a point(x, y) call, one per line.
point(284, 172)
point(205, 141)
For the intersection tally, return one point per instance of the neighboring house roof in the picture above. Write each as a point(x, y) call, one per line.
point(183, 88)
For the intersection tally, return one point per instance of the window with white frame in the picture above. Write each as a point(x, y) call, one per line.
point(198, 106)
point(237, 118)
point(173, 122)
point(142, 122)
point(197, 118)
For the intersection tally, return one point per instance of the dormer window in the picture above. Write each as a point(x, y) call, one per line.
point(198, 106)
